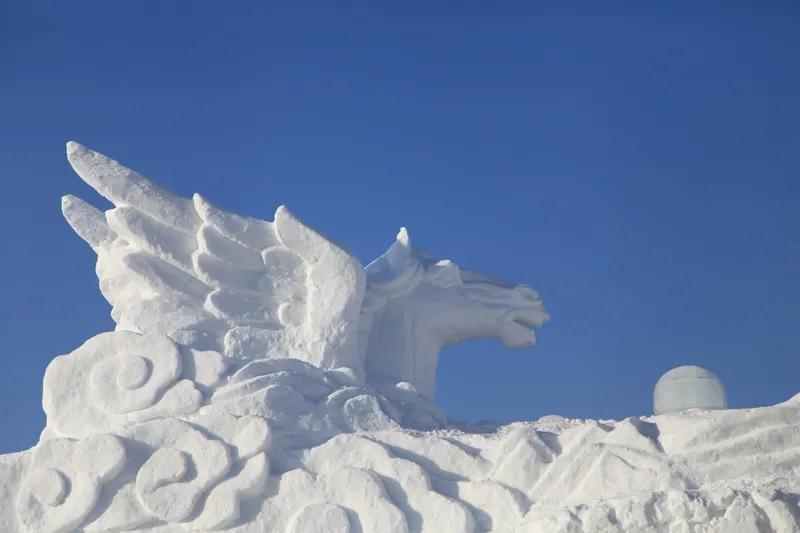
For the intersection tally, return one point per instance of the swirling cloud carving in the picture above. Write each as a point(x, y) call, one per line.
point(120, 378)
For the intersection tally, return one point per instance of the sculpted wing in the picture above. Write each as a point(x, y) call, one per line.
point(212, 279)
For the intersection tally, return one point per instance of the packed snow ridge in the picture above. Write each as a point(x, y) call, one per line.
point(260, 379)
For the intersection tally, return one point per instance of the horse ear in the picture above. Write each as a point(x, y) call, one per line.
point(399, 252)
point(394, 259)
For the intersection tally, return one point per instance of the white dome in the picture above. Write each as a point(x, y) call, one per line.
point(688, 387)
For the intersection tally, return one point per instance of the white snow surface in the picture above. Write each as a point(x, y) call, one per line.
point(260, 379)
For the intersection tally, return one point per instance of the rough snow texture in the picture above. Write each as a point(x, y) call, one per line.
point(260, 379)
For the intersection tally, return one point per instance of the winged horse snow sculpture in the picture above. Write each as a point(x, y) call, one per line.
point(254, 289)
point(222, 401)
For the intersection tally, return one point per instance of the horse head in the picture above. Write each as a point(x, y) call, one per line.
point(416, 305)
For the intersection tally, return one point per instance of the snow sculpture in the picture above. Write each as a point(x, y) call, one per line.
point(688, 387)
point(260, 380)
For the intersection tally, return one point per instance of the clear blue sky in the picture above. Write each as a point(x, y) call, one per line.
point(639, 166)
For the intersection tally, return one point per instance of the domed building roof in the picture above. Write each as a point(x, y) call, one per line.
point(688, 387)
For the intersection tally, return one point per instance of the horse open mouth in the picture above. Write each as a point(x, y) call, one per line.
point(517, 329)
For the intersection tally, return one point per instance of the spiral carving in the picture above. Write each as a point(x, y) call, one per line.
point(128, 382)
point(184, 465)
point(116, 379)
point(65, 481)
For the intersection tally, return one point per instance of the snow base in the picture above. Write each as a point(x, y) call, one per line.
point(284, 446)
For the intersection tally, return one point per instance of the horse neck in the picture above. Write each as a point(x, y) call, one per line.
point(401, 348)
